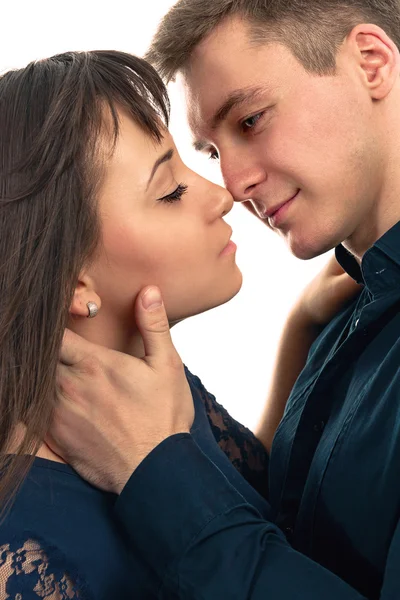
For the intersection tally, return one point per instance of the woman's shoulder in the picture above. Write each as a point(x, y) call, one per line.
point(59, 532)
point(26, 567)
point(50, 486)
point(57, 503)
point(31, 558)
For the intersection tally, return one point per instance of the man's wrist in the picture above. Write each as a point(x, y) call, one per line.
point(133, 461)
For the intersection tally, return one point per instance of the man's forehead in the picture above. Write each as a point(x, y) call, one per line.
point(213, 83)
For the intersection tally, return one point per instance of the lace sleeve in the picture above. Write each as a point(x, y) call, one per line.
point(240, 445)
point(26, 573)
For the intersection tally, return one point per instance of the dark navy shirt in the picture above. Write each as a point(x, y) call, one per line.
point(334, 475)
point(61, 539)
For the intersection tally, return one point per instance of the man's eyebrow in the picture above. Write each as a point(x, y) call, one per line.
point(162, 159)
point(235, 99)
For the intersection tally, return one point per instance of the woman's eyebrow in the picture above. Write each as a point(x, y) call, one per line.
point(162, 159)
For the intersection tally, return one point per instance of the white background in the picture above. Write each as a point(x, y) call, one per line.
point(231, 348)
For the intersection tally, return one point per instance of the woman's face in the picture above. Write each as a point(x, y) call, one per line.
point(162, 224)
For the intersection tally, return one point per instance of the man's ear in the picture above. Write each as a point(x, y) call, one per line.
point(378, 58)
point(84, 293)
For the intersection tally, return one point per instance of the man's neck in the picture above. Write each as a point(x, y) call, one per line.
point(384, 215)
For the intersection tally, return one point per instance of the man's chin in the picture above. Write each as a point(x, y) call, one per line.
point(304, 250)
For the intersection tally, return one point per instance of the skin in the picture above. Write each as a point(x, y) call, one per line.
point(175, 245)
point(332, 140)
point(289, 152)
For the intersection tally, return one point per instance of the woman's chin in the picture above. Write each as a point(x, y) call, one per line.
point(213, 301)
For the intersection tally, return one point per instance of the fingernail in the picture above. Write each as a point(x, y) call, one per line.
point(152, 299)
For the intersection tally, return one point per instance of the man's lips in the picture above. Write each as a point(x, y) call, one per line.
point(268, 214)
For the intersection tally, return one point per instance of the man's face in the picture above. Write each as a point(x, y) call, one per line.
point(301, 147)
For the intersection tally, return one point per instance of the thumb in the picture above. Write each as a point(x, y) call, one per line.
point(153, 324)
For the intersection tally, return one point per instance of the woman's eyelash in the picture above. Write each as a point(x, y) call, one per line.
point(176, 194)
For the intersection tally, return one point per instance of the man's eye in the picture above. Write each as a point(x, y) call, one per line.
point(251, 122)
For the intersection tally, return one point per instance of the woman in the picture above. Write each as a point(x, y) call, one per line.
point(95, 203)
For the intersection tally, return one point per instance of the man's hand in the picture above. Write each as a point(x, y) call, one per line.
point(113, 409)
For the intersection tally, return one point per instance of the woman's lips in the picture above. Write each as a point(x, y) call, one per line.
point(229, 248)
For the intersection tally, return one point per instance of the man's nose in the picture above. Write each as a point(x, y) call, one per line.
point(241, 175)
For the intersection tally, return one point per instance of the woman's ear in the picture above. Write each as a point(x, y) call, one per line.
point(83, 294)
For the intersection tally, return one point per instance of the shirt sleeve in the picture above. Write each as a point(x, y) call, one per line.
point(244, 450)
point(203, 540)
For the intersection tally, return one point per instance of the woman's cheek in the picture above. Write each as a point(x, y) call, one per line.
point(140, 256)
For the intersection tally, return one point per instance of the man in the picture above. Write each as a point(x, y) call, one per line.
point(299, 102)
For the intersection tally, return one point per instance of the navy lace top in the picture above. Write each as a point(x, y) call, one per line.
point(60, 540)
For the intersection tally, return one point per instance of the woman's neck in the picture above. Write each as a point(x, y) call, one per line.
point(43, 452)
point(121, 335)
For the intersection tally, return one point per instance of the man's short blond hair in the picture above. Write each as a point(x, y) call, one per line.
point(312, 29)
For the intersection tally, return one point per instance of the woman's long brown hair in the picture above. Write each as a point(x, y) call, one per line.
point(51, 120)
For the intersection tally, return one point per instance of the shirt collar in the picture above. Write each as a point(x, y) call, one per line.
point(380, 266)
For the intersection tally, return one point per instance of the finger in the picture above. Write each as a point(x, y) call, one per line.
point(74, 348)
point(153, 324)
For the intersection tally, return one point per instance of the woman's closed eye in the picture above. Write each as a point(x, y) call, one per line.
point(176, 195)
